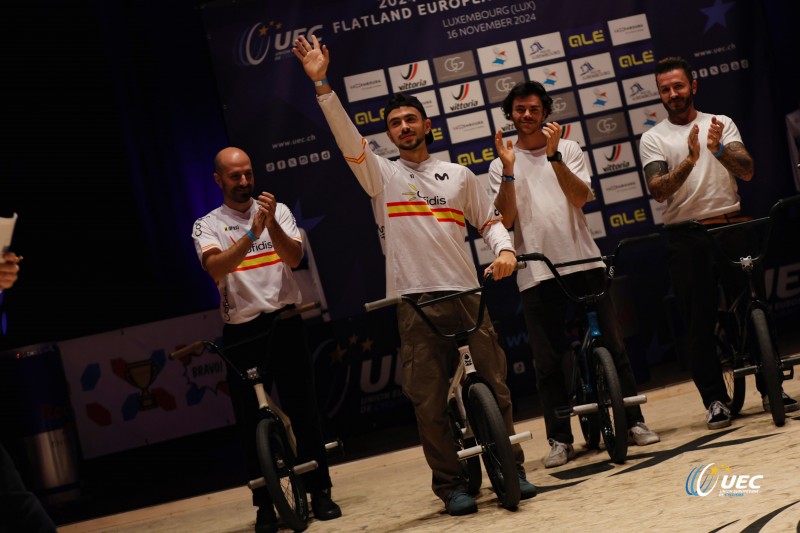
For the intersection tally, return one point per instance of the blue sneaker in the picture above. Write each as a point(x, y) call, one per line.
point(460, 503)
point(526, 488)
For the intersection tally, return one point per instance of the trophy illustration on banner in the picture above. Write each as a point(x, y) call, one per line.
point(141, 374)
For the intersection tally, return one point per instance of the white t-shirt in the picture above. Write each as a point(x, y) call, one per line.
point(710, 190)
point(546, 221)
point(262, 282)
point(424, 208)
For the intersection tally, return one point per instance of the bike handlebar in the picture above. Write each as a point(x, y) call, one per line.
point(776, 208)
point(197, 345)
point(609, 260)
point(418, 306)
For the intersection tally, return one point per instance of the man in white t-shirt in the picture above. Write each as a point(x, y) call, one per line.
point(692, 160)
point(424, 205)
point(541, 184)
point(249, 248)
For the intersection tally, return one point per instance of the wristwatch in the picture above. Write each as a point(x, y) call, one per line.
point(556, 157)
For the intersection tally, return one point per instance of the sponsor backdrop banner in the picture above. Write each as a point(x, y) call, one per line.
point(459, 57)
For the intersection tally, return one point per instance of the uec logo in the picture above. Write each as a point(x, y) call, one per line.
point(703, 479)
point(698, 483)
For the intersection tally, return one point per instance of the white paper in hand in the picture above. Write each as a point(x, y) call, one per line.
point(6, 231)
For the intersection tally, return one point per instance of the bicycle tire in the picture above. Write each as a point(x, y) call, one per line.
point(285, 487)
point(769, 369)
point(611, 406)
point(498, 456)
point(730, 360)
point(471, 466)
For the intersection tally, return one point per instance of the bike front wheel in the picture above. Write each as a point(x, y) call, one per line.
point(277, 464)
point(611, 406)
point(773, 377)
point(471, 466)
point(498, 456)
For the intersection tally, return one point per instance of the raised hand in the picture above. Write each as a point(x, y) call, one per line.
point(505, 151)
point(693, 143)
point(714, 135)
point(552, 130)
point(313, 56)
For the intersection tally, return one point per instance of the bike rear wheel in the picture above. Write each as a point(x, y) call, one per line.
point(727, 340)
point(773, 377)
point(471, 466)
point(277, 462)
point(611, 406)
point(498, 456)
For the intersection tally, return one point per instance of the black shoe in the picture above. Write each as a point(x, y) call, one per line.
point(460, 503)
point(266, 521)
point(526, 488)
point(789, 403)
point(323, 506)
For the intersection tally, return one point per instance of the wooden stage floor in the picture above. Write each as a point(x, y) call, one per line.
point(390, 492)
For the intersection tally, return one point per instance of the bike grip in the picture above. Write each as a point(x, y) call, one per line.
point(630, 240)
point(386, 302)
point(535, 256)
point(299, 309)
point(186, 350)
point(783, 203)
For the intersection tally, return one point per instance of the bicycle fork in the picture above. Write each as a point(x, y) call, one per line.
point(593, 333)
point(466, 374)
point(264, 406)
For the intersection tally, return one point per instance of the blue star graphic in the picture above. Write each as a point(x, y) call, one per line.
point(716, 14)
point(305, 223)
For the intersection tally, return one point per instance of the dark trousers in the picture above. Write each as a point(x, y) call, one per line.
point(426, 360)
point(20, 509)
point(288, 364)
point(698, 269)
point(546, 308)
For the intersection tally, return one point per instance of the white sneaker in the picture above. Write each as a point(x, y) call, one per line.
point(642, 435)
point(719, 416)
point(560, 453)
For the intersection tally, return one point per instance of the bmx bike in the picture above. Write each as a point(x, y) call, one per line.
point(595, 394)
point(475, 419)
point(745, 333)
point(276, 446)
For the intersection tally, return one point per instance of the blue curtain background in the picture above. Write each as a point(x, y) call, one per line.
point(111, 121)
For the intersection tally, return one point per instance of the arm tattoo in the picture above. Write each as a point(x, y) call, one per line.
point(738, 162)
point(662, 182)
